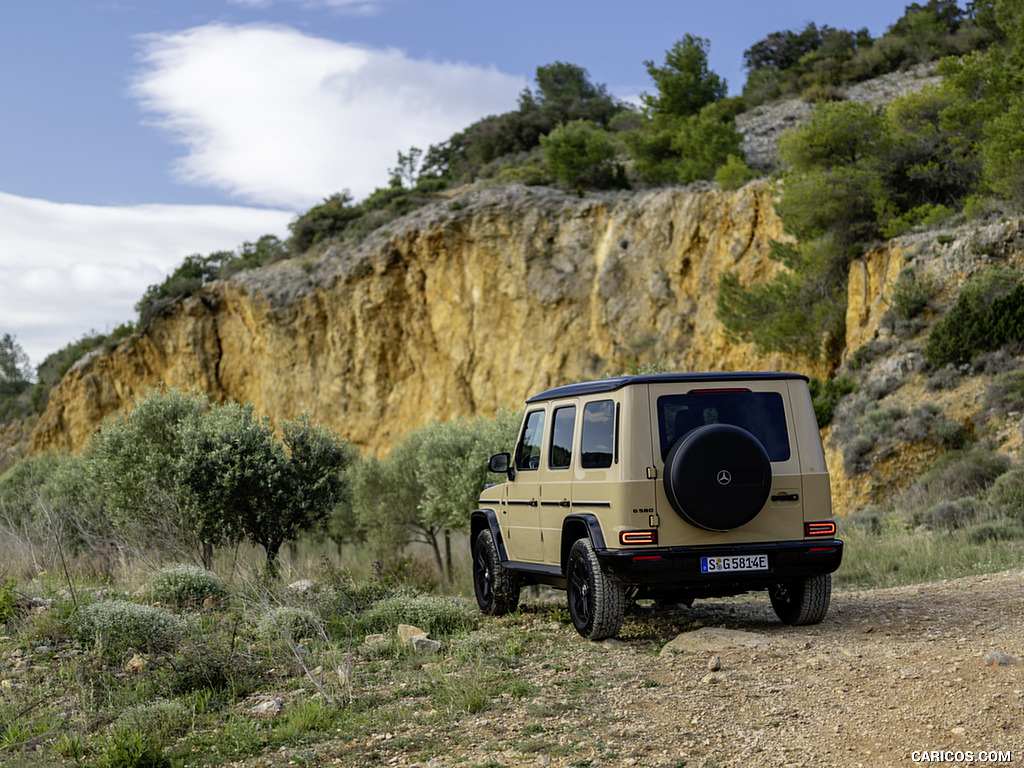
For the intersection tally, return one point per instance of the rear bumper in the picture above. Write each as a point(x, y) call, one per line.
point(680, 567)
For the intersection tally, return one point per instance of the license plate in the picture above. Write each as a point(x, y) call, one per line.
point(733, 563)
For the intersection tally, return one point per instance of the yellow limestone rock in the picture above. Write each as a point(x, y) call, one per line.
point(451, 312)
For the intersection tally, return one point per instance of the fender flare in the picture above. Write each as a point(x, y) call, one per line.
point(487, 518)
point(572, 526)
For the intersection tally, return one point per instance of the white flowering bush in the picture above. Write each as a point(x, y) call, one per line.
point(184, 586)
point(440, 616)
point(117, 625)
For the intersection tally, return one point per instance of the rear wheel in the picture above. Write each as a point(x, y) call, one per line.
point(802, 601)
point(596, 603)
point(496, 587)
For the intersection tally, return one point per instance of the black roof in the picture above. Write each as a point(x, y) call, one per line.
point(610, 385)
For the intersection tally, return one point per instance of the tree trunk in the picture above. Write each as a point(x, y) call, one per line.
point(208, 555)
point(273, 570)
point(448, 555)
point(435, 544)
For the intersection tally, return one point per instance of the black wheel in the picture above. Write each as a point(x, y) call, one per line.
point(802, 601)
point(496, 587)
point(718, 477)
point(596, 603)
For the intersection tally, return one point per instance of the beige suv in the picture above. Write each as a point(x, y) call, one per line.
point(669, 486)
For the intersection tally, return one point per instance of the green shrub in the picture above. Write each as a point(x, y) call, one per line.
point(957, 475)
point(8, 600)
point(995, 530)
point(581, 154)
point(184, 586)
point(917, 425)
point(440, 616)
point(1006, 496)
point(129, 748)
point(924, 216)
point(855, 455)
point(288, 623)
point(819, 92)
point(911, 294)
point(884, 420)
point(734, 173)
point(159, 720)
point(952, 515)
point(1005, 393)
point(704, 142)
point(988, 314)
point(952, 435)
point(114, 626)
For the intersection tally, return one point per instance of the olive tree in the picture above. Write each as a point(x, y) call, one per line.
point(133, 461)
point(427, 486)
point(250, 485)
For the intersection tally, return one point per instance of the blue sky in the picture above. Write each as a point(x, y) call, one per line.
point(137, 132)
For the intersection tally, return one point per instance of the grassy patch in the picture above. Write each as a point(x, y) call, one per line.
point(900, 558)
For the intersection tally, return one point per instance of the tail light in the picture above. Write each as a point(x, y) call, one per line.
point(825, 528)
point(632, 538)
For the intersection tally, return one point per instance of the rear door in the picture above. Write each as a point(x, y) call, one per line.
point(556, 487)
point(761, 407)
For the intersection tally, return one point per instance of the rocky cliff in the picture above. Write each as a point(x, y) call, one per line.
point(463, 307)
point(479, 301)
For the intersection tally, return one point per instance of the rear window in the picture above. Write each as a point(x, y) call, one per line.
point(760, 413)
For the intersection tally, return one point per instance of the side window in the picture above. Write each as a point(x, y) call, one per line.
point(528, 450)
point(597, 440)
point(561, 437)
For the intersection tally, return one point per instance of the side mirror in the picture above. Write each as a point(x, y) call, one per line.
point(499, 462)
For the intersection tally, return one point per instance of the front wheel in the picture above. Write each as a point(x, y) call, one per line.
point(496, 587)
point(802, 601)
point(596, 603)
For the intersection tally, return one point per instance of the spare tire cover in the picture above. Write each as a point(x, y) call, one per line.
point(718, 477)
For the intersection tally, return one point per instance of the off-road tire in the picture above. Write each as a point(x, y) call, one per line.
point(496, 587)
point(596, 603)
point(802, 601)
point(718, 477)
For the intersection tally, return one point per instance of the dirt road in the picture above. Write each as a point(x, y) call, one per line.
point(929, 674)
point(935, 669)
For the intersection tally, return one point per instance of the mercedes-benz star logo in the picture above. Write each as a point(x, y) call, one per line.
point(724, 477)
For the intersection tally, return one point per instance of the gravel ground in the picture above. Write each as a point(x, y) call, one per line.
point(936, 668)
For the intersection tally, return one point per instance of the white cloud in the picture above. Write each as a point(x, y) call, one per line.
point(277, 117)
point(362, 7)
point(66, 270)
